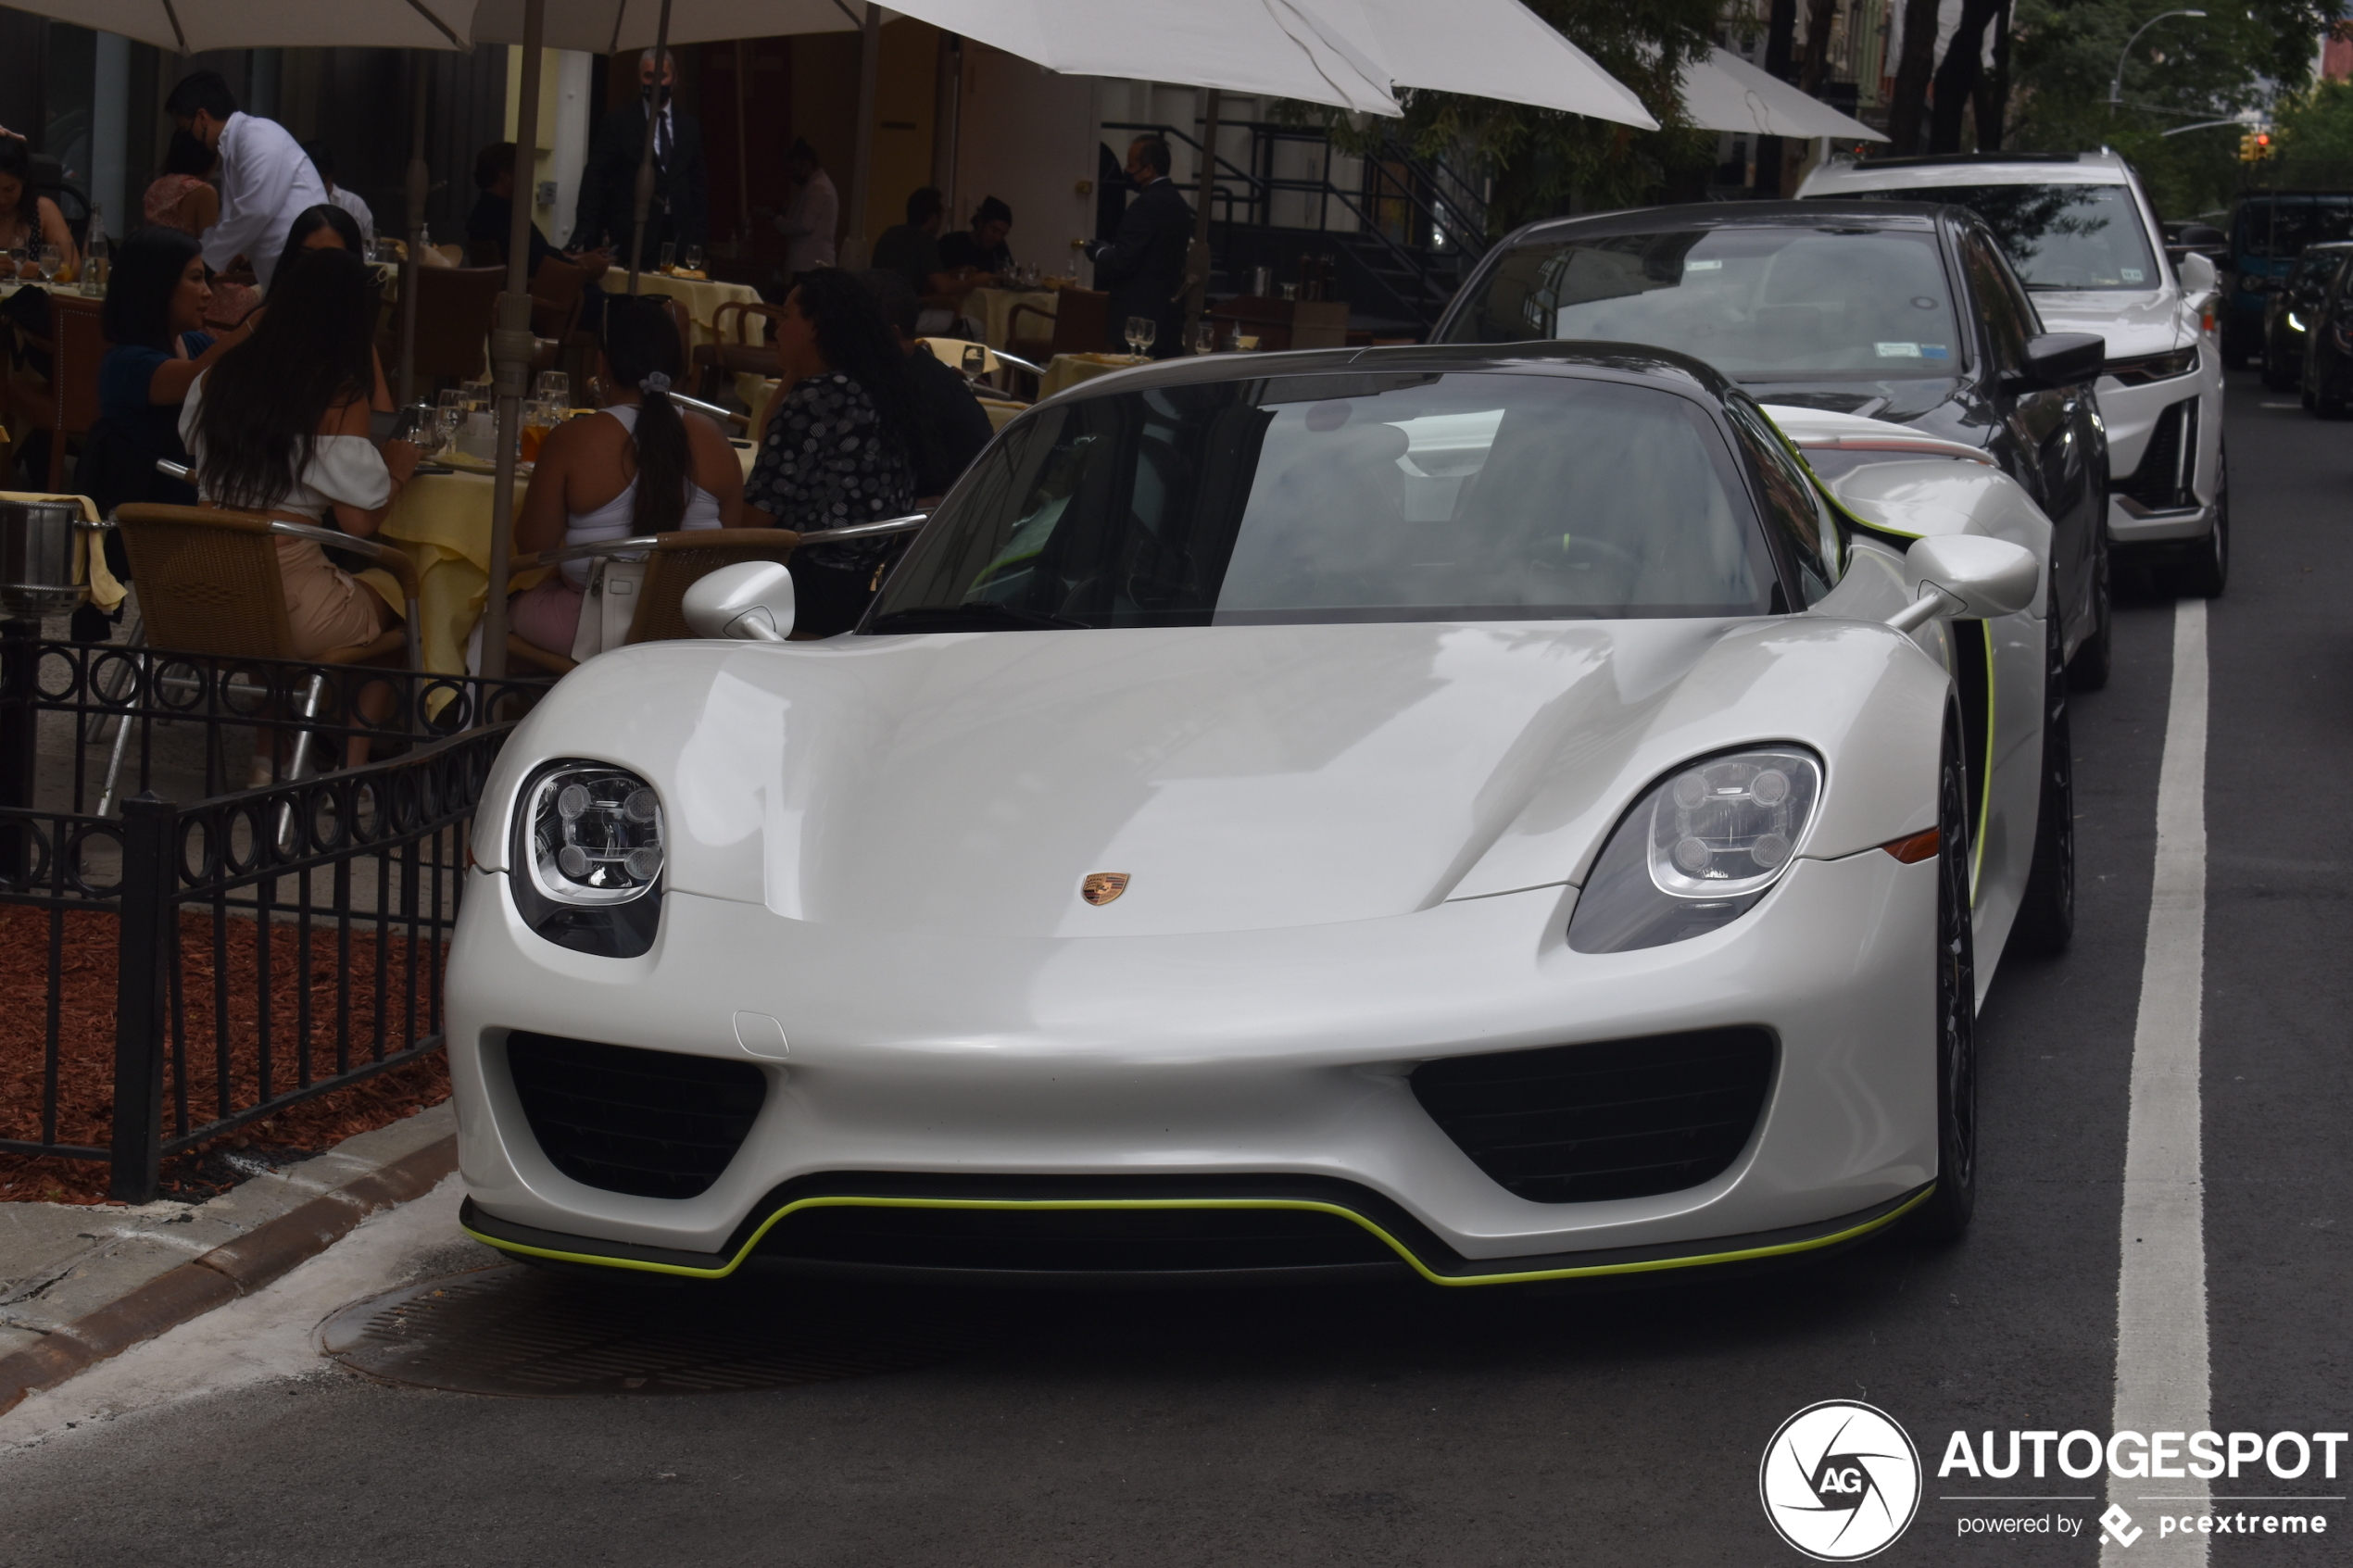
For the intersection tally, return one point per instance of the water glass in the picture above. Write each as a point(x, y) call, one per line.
point(1202, 338)
point(51, 261)
point(1141, 330)
point(669, 256)
point(553, 386)
point(17, 255)
point(694, 258)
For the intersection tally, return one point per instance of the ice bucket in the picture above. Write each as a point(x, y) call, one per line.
point(37, 558)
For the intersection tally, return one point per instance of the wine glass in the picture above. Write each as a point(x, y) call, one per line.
point(51, 261)
point(553, 386)
point(693, 258)
point(1141, 330)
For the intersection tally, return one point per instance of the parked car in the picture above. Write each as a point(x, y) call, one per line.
point(1907, 313)
point(2328, 349)
point(2291, 305)
point(2082, 234)
point(2269, 231)
point(1475, 814)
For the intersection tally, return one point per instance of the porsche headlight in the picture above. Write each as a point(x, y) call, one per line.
point(1698, 849)
point(587, 858)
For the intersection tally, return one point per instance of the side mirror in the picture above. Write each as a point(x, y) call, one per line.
point(750, 601)
point(2065, 359)
point(1967, 575)
point(2197, 273)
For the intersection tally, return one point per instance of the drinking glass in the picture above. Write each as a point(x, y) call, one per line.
point(539, 417)
point(555, 387)
point(51, 261)
point(669, 256)
point(694, 258)
point(17, 255)
point(1141, 330)
point(1204, 337)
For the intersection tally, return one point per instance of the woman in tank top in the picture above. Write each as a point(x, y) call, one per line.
point(640, 467)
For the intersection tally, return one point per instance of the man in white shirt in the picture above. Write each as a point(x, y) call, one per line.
point(266, 177)
point(813, 217)
point(322, 159)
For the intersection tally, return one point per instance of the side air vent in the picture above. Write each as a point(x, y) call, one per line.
point(652, 1123)
point(1617, 1119)
point(2162, 480)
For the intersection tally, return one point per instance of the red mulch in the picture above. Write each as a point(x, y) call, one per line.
point(85, 1055)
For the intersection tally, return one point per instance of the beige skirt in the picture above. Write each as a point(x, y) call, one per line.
point(327, 607)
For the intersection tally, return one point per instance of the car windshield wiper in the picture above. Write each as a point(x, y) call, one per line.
point(974, 615)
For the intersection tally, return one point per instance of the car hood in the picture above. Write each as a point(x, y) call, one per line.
point(1241, 777)
point(1898, 400)
point(2132, 323)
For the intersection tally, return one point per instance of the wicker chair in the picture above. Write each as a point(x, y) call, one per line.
point(208, 585)
point(722, 359)
point(674, 561)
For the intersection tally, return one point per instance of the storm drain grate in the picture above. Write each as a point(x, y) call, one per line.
point(520, 1331)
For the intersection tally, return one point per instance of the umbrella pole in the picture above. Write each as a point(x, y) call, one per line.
point(511, 346)
point(743, 153)
point(419, 183)
point(861, 168)
point(645, 202)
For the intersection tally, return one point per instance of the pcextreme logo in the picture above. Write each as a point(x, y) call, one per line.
point(1840, 1481)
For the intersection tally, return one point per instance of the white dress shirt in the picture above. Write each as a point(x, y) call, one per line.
point(810, 221)
point(348, 199)
point(266, 182)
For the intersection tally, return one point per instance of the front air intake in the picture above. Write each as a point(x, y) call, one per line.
point(1616, 1118)
point(652, 1123)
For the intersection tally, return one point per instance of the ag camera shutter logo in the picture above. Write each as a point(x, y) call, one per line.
point(1840, 1481)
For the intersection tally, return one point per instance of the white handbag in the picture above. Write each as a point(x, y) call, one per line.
point(615, 584)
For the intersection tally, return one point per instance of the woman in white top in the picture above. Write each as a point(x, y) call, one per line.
point(280, 425)
point(640, 467)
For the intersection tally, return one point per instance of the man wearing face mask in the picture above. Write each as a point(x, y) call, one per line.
point(680, 211)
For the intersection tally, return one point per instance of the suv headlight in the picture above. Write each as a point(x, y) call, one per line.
point(1698, 850)
point(2142, 370)
point(586, 858)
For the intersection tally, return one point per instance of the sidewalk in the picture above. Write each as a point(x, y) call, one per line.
point(78, 1284)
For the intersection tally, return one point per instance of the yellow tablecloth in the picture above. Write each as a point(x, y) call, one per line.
point(1002, 411)
point(994, 309)
point(442, 522)
point(1066, 370)
point(701, 299)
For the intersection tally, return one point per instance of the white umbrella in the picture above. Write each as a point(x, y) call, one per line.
point(1725, 93)
point(613, 27)
point(191, 26)
point(1484, 48)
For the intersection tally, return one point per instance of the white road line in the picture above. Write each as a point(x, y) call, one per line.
point(2160, 1289)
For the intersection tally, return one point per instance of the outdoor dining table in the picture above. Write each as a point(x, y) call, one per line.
point(993, 308)
point(442, 521)
point(702, 297)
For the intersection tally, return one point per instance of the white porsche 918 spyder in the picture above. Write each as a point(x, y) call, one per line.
point(1487, 814)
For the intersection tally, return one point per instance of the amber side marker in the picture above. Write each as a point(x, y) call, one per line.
point(1914, 850)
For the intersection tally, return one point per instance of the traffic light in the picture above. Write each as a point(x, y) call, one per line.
point(2254, 146)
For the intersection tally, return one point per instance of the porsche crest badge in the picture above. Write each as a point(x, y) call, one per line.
point(1101, 887)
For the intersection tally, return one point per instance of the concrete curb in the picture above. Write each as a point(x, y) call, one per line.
point(219, 1277)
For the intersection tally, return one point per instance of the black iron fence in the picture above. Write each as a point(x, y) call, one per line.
point(181, 969)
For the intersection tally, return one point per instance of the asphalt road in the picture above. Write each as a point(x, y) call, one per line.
point(1419, 1427)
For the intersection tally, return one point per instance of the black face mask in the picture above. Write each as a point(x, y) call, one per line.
point(646, 94)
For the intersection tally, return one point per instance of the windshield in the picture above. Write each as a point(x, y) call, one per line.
point(1348, 497)
point(1785, 304)
point(2058, 236)
point(2280, 227)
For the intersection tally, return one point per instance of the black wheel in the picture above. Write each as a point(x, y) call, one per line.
point(1946, 1213)
point(2309, 402)
point(2204, 571)
point(2046, 916)
point(2088, 671)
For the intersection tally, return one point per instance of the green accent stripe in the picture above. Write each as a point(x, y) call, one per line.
point(1646, 1266)
point(1985, 794)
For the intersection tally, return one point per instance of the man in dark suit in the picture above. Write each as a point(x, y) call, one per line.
point(1143, 265)
point(681, 210)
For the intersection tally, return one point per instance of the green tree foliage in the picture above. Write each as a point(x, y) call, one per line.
point(1547, 163)
point(2314, 139)
point(2183, 70)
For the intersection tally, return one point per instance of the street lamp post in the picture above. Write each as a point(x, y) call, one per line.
point(2115, 86)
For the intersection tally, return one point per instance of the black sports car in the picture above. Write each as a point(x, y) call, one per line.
point(1891, 311)
point(2291, 305)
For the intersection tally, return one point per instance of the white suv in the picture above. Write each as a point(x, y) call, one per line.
point(2080, 232)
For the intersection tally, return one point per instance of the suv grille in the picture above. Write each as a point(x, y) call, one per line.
point(1617, 1119)
point(652, 1124)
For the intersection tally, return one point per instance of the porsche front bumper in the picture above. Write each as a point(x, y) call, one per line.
point(1263, 1071)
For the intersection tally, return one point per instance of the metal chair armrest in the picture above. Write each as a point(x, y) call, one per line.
point(594, 548)
point(866, 529)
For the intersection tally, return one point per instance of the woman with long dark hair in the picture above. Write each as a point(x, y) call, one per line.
point(280, 425)
point(640, 467)
point(156, 296)
point(840, 445)
point(27, 220)
point(324, 227)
